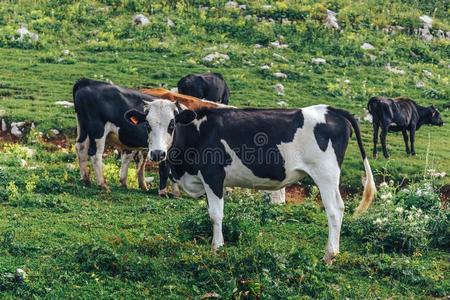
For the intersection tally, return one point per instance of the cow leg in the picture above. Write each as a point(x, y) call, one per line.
point(376, 126)
point(97, 162)
point(163, 177)
point(412, 134)
point(125, 159)
point(405, 138)
point(215, 210)
point(328, 184)
point(214, 194)
point(384, 130)
point(83, 158)
point(139, 159)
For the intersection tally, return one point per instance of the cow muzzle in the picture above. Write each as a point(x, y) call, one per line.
point(157, 155)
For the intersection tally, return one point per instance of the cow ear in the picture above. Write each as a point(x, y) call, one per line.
point(185, 117)
point(135, 117)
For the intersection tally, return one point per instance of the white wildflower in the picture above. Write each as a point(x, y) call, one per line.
point(399, 210)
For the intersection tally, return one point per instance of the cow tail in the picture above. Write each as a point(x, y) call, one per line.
point(369, 183)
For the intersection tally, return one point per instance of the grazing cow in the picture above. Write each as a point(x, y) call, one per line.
point(210, 86)
point(268, 149)
point(100, 107)
point(399, 114)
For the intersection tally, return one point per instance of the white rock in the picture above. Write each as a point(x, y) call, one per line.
point(231, 4)
point(427, 21)
point(394, 70)
point(140, 20)
point(16, 131)
point(248, 17)
point(265, 67)
point(347, 81)
point(18, 124)
point(66, 104)
point(4, 126)
point(367, 116)
point(66, 52)
point(21, 274)
point(331, 21)
point(258, 46)
point(243, 6)
point(23, 163)
point(170, 23)
point(319, 61)
point(279, 45)
point(280, 75)
point(54, 131)
point(279, 57)
point(420, 84)
point(279, 88)
point(23, 33)
point(216, 57)
point(282, 103)
point(427, 73)
point(149, 179)
point(425, 34)
point(367, 46)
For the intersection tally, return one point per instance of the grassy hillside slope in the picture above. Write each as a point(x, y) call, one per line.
point(78, 242)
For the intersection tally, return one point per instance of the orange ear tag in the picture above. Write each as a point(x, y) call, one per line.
point(134, 120)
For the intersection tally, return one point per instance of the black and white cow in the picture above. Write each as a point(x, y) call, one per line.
point(268, 149)
point(210, 86)
point(99, 108)
point(399, 114)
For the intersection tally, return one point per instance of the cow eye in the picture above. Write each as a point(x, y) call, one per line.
point(171, 126)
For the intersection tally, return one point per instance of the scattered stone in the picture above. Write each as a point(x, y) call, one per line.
point(279, 88)
point(243, 6)
point(66, 104)
point(54, 131)
point(427, 73)
point(394, 70)
point(216, 57)
point(258, 46)
point(280, 75)
point(66, 52)
point(266, 7)
point(282, 103)
point(367, 116)
point(279, 57)
point(23, 163)
point(21, 275)
point(367, 46)
point(319, 61)
point(140, 20)
point(265, 67)
point(393, 29)
point(170, 23)
point(420, 85)
point(248, 17)
point(427, 21)
point(149, 179)
point(4, 126)
point(15, 129)
point(231, 4)
point(346, 81)
point(279, 45)
point(24, 33)
point(331, 21)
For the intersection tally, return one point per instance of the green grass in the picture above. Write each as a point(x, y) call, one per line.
point(77, 242)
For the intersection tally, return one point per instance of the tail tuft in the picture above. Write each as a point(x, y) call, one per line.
point(369, 190)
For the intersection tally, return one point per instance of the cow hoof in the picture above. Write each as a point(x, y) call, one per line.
point(124, 185)
point(175, 194)
point(215, 247)
point(105, 188)
point(163, 195)
point(375, 156)
point(329, 257)
point(413, 153)
point(386, 156)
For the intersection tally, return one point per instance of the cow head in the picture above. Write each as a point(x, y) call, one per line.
point(160, 117)
point(435, 118)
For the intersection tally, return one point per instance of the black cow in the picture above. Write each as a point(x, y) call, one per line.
point(100, 108)
point(210, 86)
point(265, 149)
point(399, 114)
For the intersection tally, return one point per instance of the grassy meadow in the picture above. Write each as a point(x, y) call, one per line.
point(80, 242)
